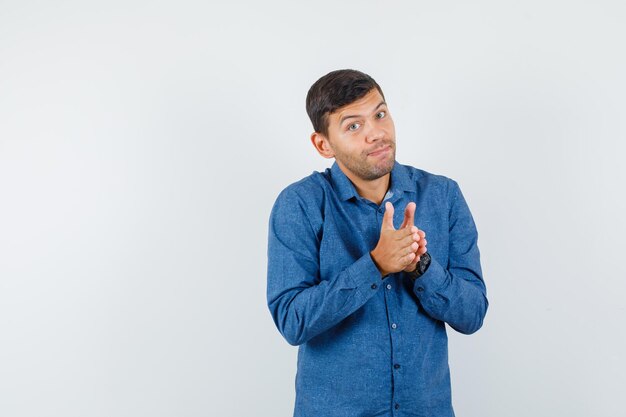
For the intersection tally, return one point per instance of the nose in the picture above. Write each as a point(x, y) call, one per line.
point(375, 133)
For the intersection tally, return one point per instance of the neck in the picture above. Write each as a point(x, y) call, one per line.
point(373, 190)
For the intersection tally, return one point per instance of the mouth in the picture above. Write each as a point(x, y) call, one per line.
point(380, 151)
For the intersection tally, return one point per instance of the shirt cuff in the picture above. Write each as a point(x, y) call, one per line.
point(365, 275)
point(430, 281)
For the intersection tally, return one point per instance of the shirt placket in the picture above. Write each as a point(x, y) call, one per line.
point(393, 321)
point(395, 338)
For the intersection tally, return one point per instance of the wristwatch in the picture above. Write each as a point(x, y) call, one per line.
point(421, 267)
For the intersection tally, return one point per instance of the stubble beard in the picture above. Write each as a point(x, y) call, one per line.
point(368, 170)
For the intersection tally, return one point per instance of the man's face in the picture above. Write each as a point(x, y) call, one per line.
point(363, 137)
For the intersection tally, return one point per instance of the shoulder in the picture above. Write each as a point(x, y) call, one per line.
point(301, 203)
point(305, 198)
point(309, 190)
point(429, 182)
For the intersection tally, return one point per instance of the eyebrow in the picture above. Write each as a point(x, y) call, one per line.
point(344, 118)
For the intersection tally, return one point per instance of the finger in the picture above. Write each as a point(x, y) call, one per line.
point(409, 215)
point(388, 217)
point(414, 261)
point(407, 259)
point(422, 250)
point(412, 248)
point(407, 240)
point(422, 233)
point(411, 267)
point(404, 233)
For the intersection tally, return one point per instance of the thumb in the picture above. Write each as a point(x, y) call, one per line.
point(388, 217)
point(409, 215)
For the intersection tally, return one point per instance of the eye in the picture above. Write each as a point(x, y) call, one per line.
point(381, 114)
point(353, 127)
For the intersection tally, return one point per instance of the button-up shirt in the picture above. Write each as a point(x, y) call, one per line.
point(371, 345)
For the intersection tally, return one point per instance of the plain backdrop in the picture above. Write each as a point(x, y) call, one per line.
point(143, 143)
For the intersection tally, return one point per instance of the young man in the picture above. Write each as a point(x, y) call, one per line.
point(352, 278)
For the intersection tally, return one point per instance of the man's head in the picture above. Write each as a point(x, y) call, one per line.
point(351, 121)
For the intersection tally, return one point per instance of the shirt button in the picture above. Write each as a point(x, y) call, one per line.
point(388, 286)
point(374, 286)
point(394, 325)
point(396, 366)
point(397, 406)
point(420, 289)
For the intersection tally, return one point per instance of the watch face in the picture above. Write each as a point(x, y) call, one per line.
point(422, 265)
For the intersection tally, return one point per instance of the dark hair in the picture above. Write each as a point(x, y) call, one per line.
point(334, 90)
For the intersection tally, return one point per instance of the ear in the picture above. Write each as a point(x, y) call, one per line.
point(322, 145)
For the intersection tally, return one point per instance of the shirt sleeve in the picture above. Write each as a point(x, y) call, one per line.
point(304, 304)
point(456, 293)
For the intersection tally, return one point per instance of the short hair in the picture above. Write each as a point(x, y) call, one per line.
point(334, 90)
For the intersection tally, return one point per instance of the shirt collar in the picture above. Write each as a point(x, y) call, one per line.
point(400, 181)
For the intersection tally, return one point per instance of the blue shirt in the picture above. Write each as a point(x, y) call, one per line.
point(371, 346)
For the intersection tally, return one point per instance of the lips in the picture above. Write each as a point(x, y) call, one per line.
point(380, 151)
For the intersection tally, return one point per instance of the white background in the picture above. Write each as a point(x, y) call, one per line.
point(142, 145)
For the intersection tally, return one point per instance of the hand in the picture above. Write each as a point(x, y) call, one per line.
point(409, 220)
point(396, 249)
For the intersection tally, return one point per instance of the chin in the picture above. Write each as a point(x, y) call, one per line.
point(388, 164)
point(380, 171)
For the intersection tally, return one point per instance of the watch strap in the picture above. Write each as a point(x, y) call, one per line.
point(421, 267)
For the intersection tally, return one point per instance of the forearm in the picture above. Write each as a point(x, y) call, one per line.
point(457, 297)
point(304, 311)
